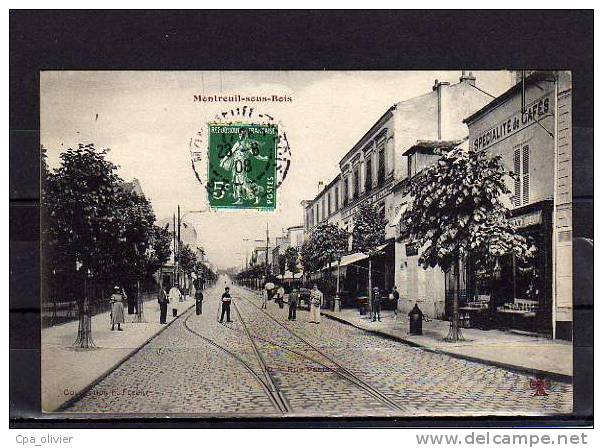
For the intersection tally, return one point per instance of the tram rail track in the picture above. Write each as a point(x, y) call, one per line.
point(335, 366)
point(274, 396)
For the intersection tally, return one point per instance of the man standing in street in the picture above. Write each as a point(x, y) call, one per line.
point(174, 299)
point(376, 304)
point(198, 296)
point(163, 303)
point(315, 302)
point(226, 299)
point(293, 298)
point(395, 297)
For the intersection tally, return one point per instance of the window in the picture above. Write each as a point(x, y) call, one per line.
point(317, 214)
point(412, 165)
point(381, 165)
point(521, 168)
point(329, 211)
point(336, 198)
point(356, 183)
point(369, 175)
point(324, 215)
point(346, 191)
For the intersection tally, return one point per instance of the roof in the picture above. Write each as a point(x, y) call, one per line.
point(132, 187)
point(532, 79)
point(427, 146)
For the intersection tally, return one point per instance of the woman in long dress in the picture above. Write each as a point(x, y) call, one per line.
point(117, 309)
point(315, 302)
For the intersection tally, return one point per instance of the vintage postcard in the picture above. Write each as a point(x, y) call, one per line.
point(306, 243)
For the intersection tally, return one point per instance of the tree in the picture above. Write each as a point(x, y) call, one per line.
point(282, 265)
point(292, 260)
point(309, 257)
point(368, 235)
point(81, 206)
point(330, 243)
point(187, 261)
point(457, 209)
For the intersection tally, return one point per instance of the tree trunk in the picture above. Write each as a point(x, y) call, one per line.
point(139, 305)
point(84, 331)
point(455, 334)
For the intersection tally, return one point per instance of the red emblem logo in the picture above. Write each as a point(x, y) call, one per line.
point(540, 386)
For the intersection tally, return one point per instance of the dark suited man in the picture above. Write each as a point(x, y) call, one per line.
point(198, 296)
point(163, 304)
point(293, 299)
point(226, 300)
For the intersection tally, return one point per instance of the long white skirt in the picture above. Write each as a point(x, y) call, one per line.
point(314, 313)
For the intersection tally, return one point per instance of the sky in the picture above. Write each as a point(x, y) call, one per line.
point(147, 119)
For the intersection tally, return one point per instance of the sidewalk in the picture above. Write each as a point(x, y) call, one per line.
point(529, 354)
point(68, 371)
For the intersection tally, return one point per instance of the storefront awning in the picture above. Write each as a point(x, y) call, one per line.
point(352, 258)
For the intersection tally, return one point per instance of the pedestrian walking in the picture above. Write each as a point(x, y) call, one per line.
point(395, 296)
point(163, 304)
point(175, 296)
point(280, 295)
point(198, 296)
point(226, 300)
point(117, 309)
point(293, 299)
point(376, 304)
point(316, 298)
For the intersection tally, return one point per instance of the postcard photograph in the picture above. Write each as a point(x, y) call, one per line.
point(306, 243)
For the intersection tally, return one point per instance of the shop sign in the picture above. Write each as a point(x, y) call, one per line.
point(371, 200)
point(535, 111)
point(527, 220)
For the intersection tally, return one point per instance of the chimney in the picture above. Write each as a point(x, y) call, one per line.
point(437, 86)
point(468, 78)
point(321, 185)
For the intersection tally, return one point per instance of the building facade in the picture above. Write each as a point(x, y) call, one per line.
point(530, 126)
point(375, 167)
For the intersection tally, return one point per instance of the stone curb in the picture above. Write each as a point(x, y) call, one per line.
point(555, 376)
point(116, 365)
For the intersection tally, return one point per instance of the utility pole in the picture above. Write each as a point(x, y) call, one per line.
point(174, 244)
point(178, 277)
point(267, 248)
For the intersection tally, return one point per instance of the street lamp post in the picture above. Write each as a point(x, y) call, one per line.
point(337, 298)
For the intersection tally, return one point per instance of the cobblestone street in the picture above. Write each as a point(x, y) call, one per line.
point(261, 364)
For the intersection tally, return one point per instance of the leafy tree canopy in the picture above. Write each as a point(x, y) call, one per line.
point(457, 208)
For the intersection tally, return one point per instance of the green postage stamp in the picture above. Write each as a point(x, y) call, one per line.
point(242, 166)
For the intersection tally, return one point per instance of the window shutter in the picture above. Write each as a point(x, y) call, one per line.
point(526, 174)
point(517, 172)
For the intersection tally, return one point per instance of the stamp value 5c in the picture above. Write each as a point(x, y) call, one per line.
point(242, 165)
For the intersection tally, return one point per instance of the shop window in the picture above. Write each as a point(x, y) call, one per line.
point(521, 168)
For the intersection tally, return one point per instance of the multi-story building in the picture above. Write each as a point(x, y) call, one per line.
point(373, 168)
point(530, 126)
point(293, 236)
